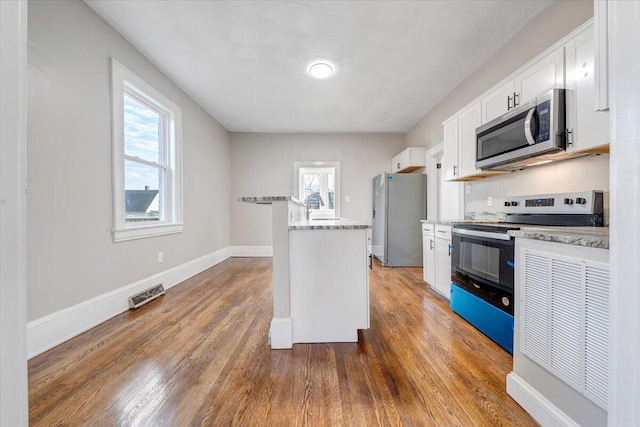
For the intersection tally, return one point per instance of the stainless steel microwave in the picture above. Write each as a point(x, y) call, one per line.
point(530, 134)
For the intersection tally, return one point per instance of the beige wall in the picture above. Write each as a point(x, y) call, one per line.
point(262, 165)
point(71, 254)
point(555, 22)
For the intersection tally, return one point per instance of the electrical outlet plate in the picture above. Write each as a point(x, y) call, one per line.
point(489, 201)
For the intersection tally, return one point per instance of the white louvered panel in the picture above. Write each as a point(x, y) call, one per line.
point(567, 321)
point(535, 305)
point(597, 333)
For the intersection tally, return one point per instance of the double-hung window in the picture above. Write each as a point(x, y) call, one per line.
point(147, 188)
point(319, 187)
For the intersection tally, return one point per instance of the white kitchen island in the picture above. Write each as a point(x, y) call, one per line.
point(320, 276)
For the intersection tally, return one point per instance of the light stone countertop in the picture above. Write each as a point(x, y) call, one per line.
point(326, 224)
point(594, 237)
point(267, 200)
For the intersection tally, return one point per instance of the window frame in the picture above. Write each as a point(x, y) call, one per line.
point(320, 165)
point(124, 82)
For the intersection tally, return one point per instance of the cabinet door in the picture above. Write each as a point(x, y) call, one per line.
point(587, 127)
point(546, 74)
point(428, 259)
point(443, 267)
point(497, 102)
point(601, 47)
point(451, 166)
point(400, 162)
point(468, 121)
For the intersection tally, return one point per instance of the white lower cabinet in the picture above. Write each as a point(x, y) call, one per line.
point(436, 257)
point(562, 326)
point(443, 259)
point(428, 254)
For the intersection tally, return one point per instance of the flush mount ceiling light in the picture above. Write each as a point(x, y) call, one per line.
point(320, 70)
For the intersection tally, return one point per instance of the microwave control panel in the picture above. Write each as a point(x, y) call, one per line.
point(544, 121)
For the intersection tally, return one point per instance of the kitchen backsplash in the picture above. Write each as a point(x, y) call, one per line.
point(591, 173)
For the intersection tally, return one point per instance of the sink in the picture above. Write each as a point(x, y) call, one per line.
point(325, 219)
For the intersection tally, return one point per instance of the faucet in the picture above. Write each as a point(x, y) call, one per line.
point(307, 213)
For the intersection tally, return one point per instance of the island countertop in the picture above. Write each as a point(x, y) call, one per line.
point(268, 200)
point(328, 224)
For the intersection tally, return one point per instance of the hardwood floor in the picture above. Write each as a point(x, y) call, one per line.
point(199, 356)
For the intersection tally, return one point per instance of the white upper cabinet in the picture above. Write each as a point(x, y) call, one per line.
point(601, 57)
point(587, 128)
point(468, 120)
point(411, 159)
point(545, 74)
point(498, 101)
point(451, 165)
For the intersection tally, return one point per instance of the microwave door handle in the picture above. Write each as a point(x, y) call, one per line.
point(527, 127)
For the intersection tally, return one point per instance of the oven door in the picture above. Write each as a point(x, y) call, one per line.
point(480, 260)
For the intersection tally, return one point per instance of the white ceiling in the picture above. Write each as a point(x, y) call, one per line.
point(245, 61)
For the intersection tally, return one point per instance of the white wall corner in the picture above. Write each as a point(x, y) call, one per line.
point(48, 331)
point(281, 333)
point(251, 251)
point(538, 406)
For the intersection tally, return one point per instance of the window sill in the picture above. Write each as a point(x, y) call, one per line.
point(142, 232)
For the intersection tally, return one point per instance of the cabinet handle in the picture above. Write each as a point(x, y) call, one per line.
point(509, 107)
point(450, 249)
point(454, 170)
point(570, 137)
point(515, 99)
point(430, 244)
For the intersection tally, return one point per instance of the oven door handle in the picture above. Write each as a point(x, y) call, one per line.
point(477, 233)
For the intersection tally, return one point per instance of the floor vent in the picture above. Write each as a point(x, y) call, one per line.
point(146, 296)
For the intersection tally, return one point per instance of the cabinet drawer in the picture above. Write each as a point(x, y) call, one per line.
point(428, 229)
point(443, 231)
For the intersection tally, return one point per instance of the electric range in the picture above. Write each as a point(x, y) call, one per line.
point(482, 256)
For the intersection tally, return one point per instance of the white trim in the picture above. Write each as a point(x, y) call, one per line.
point(281, 333)
point(132, 233)
point(251, 251)
point(338, 182)
point(48, 331)
point(624, 102)
point(538, 406)
point(124, 81)
point(13, 217)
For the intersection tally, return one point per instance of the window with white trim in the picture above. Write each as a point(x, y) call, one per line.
point(147, 187)
point(319, 187)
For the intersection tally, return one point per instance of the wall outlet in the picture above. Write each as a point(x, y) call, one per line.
point(160, 257)
point(468, 189)
point(346, 199)
point(489, 201)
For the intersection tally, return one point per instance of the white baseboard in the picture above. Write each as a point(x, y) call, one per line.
point(538, 406)
point(281, 333)
point(251, 251)
point(48, 331)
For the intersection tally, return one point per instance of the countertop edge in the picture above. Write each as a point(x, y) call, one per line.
point(558, 236)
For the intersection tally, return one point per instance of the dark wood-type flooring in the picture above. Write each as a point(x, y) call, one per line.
point(199, 356)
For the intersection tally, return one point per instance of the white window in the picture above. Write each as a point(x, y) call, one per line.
point(147, 176)
point(318, 187)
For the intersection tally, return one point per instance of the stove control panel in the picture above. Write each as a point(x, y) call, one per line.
point(579, 202)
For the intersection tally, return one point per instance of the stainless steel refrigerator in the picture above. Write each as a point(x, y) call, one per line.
point(399, 203)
